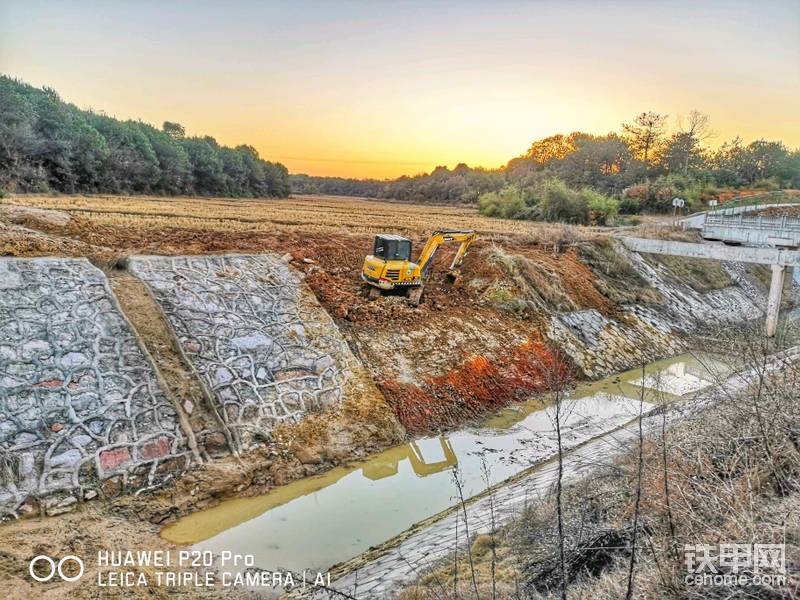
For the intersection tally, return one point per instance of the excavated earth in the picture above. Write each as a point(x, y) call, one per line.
point(245, 359)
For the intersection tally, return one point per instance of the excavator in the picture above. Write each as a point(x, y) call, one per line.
point(390, 267)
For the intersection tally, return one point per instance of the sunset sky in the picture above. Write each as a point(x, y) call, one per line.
point(380, 89)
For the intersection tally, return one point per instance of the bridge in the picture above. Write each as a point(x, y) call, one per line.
point(737, 208)
point(782, 262)
point(747, 237)
point(759, 231)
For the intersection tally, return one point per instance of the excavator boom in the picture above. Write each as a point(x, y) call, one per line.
point(440, 237)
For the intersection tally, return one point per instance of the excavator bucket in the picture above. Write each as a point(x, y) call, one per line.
point(415, 295)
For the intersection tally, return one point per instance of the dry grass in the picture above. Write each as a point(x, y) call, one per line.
point(663, 231)
point(298, 213)
point(700, 274)
point(536, 285)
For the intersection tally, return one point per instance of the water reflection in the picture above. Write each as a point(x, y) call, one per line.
point(388, 465)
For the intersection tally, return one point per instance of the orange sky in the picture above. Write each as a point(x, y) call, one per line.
point(385, 89)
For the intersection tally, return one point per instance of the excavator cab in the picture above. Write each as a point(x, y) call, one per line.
point(392, 247)
point(390, 267)
point(390, 264)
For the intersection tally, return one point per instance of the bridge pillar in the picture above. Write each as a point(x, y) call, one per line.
point(774, 299)
point(788, 282)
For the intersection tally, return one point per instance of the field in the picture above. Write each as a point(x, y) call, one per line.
point(298, 213)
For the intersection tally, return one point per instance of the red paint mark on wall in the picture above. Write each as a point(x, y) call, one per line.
point(155, 448)
point(111, 459)
point(50, 383)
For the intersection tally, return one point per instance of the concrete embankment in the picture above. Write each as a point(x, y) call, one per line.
point(82, 411)
point(85, 413)
point(278, 358)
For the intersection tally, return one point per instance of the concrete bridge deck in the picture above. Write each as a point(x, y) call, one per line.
point(781, 261)
point(753, 231)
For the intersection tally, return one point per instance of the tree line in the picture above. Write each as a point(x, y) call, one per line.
point(47, 144)
point(641, 167)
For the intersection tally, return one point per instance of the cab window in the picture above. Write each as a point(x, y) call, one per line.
point(392, 249)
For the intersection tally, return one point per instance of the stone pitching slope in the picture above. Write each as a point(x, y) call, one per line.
point(81, 411)
point(261, 344)
point(601, 345)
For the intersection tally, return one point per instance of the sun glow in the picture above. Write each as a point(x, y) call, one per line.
point(380, 91)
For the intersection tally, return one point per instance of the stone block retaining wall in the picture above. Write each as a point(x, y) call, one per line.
point(81, 410)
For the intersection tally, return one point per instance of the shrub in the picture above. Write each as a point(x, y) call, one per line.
point(629, 206)
point(603, 209)
point(656, 196)
point(558, 203)
point(507, 203)
point(770, 184)
point(552, 201)
point(640, 191)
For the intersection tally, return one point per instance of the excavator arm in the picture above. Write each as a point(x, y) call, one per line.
point(439, 237)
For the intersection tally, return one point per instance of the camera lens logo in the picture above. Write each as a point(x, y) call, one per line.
point(66, 568)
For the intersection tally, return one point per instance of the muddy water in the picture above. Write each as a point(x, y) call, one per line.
point(317, 522)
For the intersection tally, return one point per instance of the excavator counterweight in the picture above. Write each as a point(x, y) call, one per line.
point(390, 267)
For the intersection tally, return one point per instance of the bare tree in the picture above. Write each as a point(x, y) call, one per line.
point(645, 134)
point(559, 494)
point(697, 125)
point(558, 376)
point(487, 480)
point(460, 487)
point(685, 144)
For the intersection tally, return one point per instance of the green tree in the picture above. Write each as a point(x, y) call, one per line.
point(174, 130)
point(131, 165)
point(601, 162)
point(46, 143)
point(175, 168)
point(207, 169)
point(18, 168)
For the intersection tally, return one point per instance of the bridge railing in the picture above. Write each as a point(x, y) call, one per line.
point(776, 197)
point(775, 224)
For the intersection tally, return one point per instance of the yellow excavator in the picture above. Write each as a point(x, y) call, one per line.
point(390, 267)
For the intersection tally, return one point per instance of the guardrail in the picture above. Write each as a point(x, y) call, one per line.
point(775, 197)
point(753, 231)
point(776, 224)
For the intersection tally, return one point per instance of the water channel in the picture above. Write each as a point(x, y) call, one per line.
point(319, 521)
